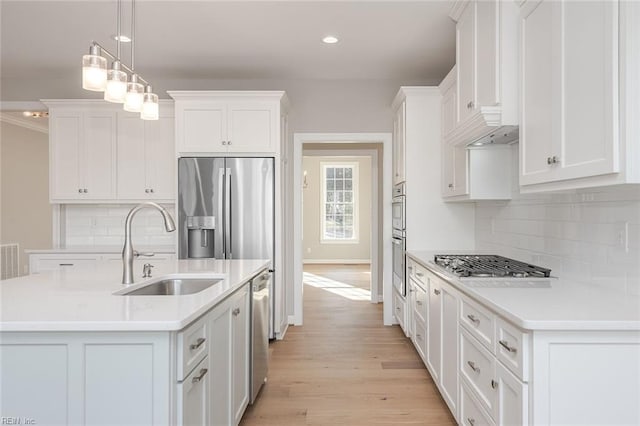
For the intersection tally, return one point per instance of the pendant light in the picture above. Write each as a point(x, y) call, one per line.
point(150, 107)
point(94, 70)
point(136, 95)
point(135, 91)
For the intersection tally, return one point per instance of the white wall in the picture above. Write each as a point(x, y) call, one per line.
point(323, 252)
point(25, 212)
point(590, 236)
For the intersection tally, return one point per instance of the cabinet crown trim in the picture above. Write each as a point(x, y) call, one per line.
point(457, 9)
point(405, 91)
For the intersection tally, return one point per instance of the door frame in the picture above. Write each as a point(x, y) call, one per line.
point(384, 178)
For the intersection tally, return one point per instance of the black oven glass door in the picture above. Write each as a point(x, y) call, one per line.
point(397, 213)
point(398, 265)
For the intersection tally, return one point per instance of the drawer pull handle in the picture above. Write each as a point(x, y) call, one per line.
point(505, 345)
point(203, 373)
point(419, 303)
point(471, 421)
point(436, 292)
point(236, 312)
point(494, 384)
point(65, 264)
point(419, 336)
point(473, 366)
point(473, 319)
point(419, 274)
point(398, 308)
point(410, 267)
point(197, 344)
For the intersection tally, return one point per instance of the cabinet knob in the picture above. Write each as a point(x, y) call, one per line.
point(79, 190)
point(555, 159)
point(236, 312)
point(228, 142)
point(450, 185)
point(224, 142)
point(146, 190)
point(419, 274)
point(470, 105)
point(85, 190)
point(419, 303)
point(436, 292)
point(419, 336)
point(151, 190)
point(548, 160)
point(494, 384)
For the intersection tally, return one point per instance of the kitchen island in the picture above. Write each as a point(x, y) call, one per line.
point(74, 351)
point(529, 351)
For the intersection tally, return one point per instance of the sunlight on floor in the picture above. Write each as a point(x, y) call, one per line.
point(336, 287)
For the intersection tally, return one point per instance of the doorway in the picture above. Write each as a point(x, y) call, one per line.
point(378, 147)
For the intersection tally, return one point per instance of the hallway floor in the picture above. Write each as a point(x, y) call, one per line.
point(343, 367)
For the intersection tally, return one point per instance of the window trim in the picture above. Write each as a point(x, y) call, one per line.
point(324, 165)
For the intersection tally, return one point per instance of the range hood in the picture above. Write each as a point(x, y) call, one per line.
point(504, 135)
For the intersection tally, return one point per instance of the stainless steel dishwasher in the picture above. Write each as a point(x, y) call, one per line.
point(260, 288)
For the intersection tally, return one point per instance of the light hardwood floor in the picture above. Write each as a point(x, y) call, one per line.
point(343, 367)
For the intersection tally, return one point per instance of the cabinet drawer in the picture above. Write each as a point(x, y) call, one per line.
point(512, 348)
point(399, 310)
point(420, 302)
point(421, 275)
point(477, 366)
point(420, 338)
point(193, 396)
point(471, 413)
point(42, 263)
point(479, 322)
point(193, 346)
point(411, 268)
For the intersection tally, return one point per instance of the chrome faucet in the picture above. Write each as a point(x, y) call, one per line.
point(127, 251)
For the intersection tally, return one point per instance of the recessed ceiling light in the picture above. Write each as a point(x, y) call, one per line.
point(330, 39)
point(123, 38)
point(35, 114)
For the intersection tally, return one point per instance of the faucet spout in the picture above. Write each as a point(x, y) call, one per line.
point(127, 250)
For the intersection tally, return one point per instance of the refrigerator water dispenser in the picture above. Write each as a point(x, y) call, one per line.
point(201, 236)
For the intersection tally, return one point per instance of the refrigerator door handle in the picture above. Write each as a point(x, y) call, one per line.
point(228, 215)
point(222, 208)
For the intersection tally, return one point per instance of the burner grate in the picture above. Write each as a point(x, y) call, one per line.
point(483, 265)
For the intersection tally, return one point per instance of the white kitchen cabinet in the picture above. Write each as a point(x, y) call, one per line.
point(82, 152)
point(193, 397)
point(449, 372)
point(574, 75)
point(399, 143)
point(486, 68)
point(223, 122)
point(146, 166)
point(230, 359)
point(513, 398)
point(434, 348)
point(470, 173)
point(400, 311)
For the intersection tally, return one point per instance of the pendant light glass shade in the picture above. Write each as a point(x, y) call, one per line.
point(150, 107)
point(94, 70)
point(116, 84)
point(135, 95)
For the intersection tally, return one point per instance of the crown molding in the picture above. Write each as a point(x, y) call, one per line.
point(26, 123)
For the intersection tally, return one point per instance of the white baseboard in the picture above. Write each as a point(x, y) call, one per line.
point(337, 261)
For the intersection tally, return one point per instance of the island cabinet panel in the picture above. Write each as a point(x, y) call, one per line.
point(220, 354)
point(123, 375)
point(86, 378)
point(241, 353)
point(34, 382)
point(193, 397)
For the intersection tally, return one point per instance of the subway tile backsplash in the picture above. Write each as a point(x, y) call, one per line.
point(588, 236)
point(85, 225)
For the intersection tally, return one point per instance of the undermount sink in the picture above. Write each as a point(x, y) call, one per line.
point(173, 287)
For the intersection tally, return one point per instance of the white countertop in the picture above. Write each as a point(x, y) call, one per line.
point(82, 299)
point(100, 249)
point(557, 304)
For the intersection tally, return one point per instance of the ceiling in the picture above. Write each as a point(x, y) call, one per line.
point(42, 42)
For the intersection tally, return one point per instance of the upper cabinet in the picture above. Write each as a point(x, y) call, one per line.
point(98, 153)
point(579, 94)
point(486, 69)
point(224, 122)
point(82, 153)
point(146, 157)
point(470, 173)
point(399, 142)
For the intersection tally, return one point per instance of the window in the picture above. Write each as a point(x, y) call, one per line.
point(339, 202)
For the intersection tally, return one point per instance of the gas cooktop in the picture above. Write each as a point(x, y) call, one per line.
point(488, 266)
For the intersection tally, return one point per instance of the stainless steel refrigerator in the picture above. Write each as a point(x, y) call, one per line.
point(226, 210)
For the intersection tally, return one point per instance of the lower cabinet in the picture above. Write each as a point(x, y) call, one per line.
point(229, 353)
point(399, 311)
point(198, 376)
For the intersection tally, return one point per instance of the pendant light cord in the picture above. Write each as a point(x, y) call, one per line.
point(133, 34)
point(118, 29)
